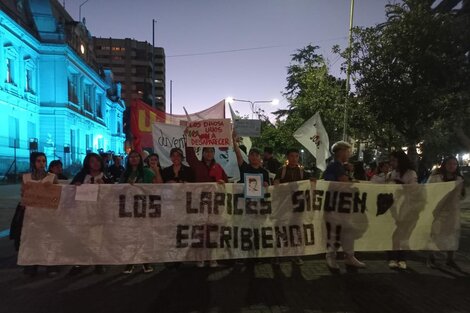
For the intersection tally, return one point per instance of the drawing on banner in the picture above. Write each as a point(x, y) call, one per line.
point(41, 195)
point(254, 186)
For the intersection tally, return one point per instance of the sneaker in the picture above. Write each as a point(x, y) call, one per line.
point(351, 260)
point(392, 264)
point(298, 261)
point(331, 261)
point(52, 271)
point(75, 270)
point(200, 264)
point(213, 263)
point(147, 268)
point(100, 269)
point(402, 265)
point(129, 269)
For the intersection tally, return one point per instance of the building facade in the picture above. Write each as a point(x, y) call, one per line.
point(131, 62)
point(53, 97)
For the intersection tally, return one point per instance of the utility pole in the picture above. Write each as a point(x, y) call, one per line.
point(348, 71)
point(153, 63)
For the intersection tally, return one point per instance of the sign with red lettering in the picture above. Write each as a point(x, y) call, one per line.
point(209, 133)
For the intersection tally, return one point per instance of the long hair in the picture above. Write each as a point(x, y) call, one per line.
point(32, 160)
point(449, 176)
point(86, 162)
point(404, 162)
point(147, 160)
point(140, 166)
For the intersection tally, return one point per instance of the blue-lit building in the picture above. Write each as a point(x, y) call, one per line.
point(53, 96)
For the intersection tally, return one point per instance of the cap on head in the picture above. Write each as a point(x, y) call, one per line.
point(176, 150)
point(340, 145)
point(254, 151)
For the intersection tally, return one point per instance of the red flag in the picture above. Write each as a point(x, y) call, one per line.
point(142, 118)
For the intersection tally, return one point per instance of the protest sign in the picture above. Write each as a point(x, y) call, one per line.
point(41, 195)
point(250, 128)
point(209, 133)
point(132, 224)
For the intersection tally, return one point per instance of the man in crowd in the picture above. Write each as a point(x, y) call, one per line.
point(269, 162)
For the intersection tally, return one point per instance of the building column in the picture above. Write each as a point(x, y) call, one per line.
point(2, 59)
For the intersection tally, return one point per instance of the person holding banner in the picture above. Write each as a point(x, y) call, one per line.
point(153, 164)
point(39, 174)
point(402, 173)
point(448, 171)
point(291, 172)
point(136, 173)
point(91, 173)
point(336, 171)
point(206, 170)
point(177, 172)
point(255, 166)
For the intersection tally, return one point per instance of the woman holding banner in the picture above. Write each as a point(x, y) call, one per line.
point(344, 233)
point(153, 164)
point(91, 173)
point(136, 173)
point(39, 174)
point(446, 217)
point(206, 170)
point(406, 217)
point(177, 172)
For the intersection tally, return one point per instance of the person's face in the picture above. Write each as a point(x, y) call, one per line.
point(385, 168)
point(253, 184)
point(176, 158)
point(255, 159)
point(134, 159)
point(40, 163)
point(267, 155)
point(344, 154)
point(208, 154)
point(451, 166)
point(393, 163)
point(95, 164)
point(153, 161)
point(56, 169)
point(293, 158)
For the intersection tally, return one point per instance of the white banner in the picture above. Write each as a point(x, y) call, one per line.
point(187, 222)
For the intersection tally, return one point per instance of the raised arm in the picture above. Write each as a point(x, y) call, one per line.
point(236, 148)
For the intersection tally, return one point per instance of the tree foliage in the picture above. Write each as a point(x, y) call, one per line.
point(412, 72)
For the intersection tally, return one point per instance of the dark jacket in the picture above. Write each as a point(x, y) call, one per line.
point(202, 172)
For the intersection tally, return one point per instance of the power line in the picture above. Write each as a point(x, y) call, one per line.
point(245, 49)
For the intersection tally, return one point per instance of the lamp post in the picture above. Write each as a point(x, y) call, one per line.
point(253, 103)
point(348, 72)
point(153, 62)
point(80, 10)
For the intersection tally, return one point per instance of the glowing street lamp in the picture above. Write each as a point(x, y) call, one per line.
point(231, 100)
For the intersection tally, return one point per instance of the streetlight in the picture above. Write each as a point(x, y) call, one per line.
point(80, 10)
point(348, 72)
point(253, 103)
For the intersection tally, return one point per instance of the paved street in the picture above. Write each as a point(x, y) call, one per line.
point(261, 287)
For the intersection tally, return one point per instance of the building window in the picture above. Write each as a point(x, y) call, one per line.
point(31, 130)
point(99, 105)
point(72, 88)
point(87, 98)
point(14, 132)
point(10, 71)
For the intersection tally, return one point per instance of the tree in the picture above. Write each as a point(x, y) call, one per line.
point(310, 89)
point(412, 72)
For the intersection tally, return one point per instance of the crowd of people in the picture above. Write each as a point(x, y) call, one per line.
point(144, 168)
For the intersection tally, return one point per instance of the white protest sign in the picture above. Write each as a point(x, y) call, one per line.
point(250, 128)
point(209, 133)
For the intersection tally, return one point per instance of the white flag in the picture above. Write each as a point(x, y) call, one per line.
point(312, 135)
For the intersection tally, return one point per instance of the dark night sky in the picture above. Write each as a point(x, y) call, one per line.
point(198, 26)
